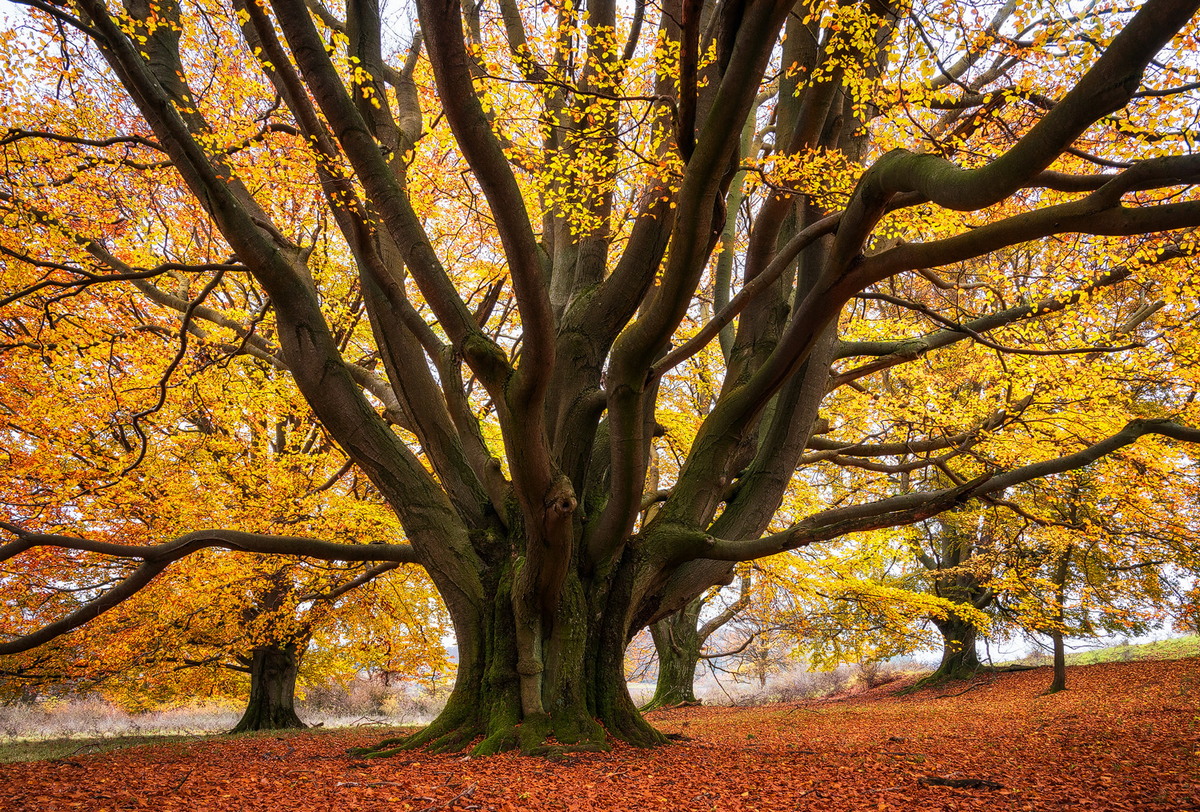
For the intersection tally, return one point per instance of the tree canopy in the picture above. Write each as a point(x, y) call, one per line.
point(781, 271)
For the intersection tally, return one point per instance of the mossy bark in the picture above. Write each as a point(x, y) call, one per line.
point(960, 659)
point(677, 643)
point(577, 665)
point(273, 671)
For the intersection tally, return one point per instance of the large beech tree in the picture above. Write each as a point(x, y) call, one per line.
point(638, 187)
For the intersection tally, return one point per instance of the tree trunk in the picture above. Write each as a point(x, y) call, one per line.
point(1061, 569)
point(576, 670)
point(271, 706)
point(677, 641)
point(960, 660)
point(1059, 683)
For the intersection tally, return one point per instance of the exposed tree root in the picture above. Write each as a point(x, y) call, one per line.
point(943, 676)
point(540, 736)
point(653, 705)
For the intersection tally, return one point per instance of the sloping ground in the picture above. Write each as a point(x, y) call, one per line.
point(1125, 737)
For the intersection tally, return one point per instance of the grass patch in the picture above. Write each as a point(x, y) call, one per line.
point(52, 748)
point(1177, 648)
point(14, 750)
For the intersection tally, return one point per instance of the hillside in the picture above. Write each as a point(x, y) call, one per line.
point(1175, 648)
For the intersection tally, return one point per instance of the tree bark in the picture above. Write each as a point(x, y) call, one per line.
point(1062, 568)
point(1059, 683)
point(954, 578)
point(273, 670)
point(960, 660)
point(677, 642)
point(580, 698)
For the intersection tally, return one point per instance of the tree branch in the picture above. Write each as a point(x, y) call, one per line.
point(441, 24)
point(157, 557)
point(909, 508)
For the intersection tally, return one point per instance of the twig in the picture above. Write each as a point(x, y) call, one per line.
point(66, 761)
point(959, 783)
point(466, 793)
point(367, 720)
point(972, 687)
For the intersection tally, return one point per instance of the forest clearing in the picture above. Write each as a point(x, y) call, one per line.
point(1125, 737)
point(511, 353)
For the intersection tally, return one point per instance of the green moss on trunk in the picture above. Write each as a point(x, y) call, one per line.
point(584, 695)
point(677, 643)
point(960, 660)
point(271, 706)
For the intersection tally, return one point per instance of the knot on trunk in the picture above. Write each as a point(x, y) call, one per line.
point(560, 500)
point(527, 666)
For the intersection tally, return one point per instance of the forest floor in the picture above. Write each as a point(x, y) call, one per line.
point(1126, 736)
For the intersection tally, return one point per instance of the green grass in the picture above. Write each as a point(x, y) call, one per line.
point(67, 748)
point(1175, 649)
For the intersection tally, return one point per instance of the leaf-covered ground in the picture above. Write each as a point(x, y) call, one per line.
point(1125, 737)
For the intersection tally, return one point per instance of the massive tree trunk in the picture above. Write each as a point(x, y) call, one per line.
point(539, 693)
point(272, 703)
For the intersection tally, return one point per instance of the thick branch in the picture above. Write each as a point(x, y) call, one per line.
point(386, 194)
point(909, 508)
point(1106, 87)
point(829, 524)
point(157, 557)
point(779, 263)
point(441, 23)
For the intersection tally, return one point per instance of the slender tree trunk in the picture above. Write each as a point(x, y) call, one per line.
point(271, 706)
point(677, 641)
point(1061, 570)
point(1059, 683)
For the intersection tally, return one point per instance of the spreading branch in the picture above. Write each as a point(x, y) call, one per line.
point(155, 558)
point(910, 508)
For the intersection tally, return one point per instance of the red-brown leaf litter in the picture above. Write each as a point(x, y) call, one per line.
point(1124, 737)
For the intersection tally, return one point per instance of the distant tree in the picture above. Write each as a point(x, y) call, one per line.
point(1105, 558)
point(228, 445)
point(959, 566)
point(680, 638)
